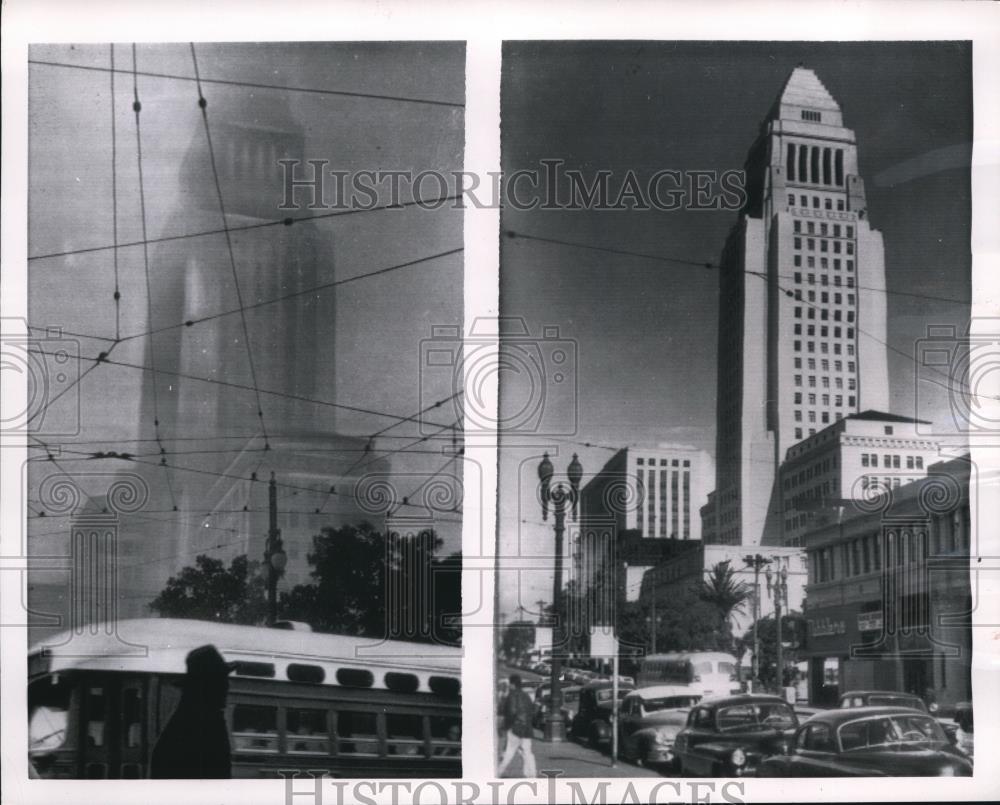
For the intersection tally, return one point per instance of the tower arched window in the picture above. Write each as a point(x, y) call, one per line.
point(814, 164)
point(803, 165)
point(827, 177)
point(839, 167)
point(791, 162)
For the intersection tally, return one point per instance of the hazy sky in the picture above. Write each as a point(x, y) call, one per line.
point(646, 331)
point(376, 324)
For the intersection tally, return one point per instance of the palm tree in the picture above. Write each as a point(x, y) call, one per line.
point(726, 594)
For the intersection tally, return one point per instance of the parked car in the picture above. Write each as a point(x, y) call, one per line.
point(649, 721)
point(730, 736)
point(893, 698)
point(543, 700)
point(592, 722)
point(869, 742)
point(805, 711)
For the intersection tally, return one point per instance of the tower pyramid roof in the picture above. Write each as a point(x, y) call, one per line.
point(804, 90)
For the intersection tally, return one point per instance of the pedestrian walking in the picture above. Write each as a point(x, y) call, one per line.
point(517, 712)
point(195, 742)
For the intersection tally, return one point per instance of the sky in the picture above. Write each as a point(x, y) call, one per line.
point(645, 332)
point(371, 360)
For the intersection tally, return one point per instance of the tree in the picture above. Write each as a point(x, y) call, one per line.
point(394, 586)
point(517, 640)
point(792, 624)
point(210, 591)
point(684, 622)
point(726, 594)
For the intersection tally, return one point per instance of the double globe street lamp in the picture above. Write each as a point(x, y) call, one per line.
point(555, 724)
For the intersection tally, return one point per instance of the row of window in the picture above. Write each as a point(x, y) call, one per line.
point(824, 416)
point(824, 229)
point(825, 312)
point(824, 330)
point(838, 382)
point(863, 555)
point(663, 462)
point(814, 163)
point(824, 363)
point(824, 280)
point(824, 262)
point(824, 245)
point(824, 398)
point(892, 460)
point(804, 202)
point(824, 296)
point(319, 731)
point(824, 347)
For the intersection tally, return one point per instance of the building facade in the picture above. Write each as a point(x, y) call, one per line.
point(888, 602)
point(799, 346)
point(641, 495)
point(854, 457)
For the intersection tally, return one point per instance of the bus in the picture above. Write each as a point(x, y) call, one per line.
point(298, 701)
point(708, 673)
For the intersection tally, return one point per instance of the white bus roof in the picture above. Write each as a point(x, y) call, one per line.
point(161, 645)
point(664, 691)
point(721, 656)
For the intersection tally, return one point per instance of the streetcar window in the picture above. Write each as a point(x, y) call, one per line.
point(357, 733)
point(355, 678)
point(405, 733)
point(446, 736)
point(255, 728)
point(131, 717)
point(445, 686)
point(244, 668)
point(306, 673)
point(402, 683)
point(306, 731)
point(96, 716)
point(48, 714)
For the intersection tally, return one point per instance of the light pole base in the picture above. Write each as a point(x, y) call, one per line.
point(555, 729)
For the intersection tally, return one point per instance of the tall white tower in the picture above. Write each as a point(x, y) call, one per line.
point(802, 321)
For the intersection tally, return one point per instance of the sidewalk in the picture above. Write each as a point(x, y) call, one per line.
point(573, 760)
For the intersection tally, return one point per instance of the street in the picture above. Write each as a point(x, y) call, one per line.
point(571, 759)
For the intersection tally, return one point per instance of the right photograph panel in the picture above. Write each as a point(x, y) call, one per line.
point(734, 520)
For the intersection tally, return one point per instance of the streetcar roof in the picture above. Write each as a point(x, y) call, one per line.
point(161, 645)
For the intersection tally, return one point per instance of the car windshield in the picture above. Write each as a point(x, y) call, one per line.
point(889, 731)
point(669, 703)
point(757, 715)
point(605, 695)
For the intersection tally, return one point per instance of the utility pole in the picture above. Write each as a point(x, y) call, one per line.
point(652, 624)
point(756, 562)
point(274, 554)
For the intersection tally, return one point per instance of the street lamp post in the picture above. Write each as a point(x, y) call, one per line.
point(555, 724)
point(756, 562)
point(274, 554)
point(777, 586)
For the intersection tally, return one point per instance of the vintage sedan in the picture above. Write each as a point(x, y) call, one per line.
point(649, 721)
point(892, 698)
point(730, 736)
point(869, 742)
point(592, 722)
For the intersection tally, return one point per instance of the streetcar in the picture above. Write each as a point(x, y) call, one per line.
point(352, 707)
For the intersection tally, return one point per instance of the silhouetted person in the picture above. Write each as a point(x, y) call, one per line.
point(195, 742)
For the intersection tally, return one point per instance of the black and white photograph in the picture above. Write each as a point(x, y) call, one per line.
point(246, 488)
point(499, 402)
point(734, 496)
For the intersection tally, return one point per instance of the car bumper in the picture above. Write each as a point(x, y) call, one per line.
point(658, 754)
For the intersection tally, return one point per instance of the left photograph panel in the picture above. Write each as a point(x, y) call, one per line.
point(245, 477)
